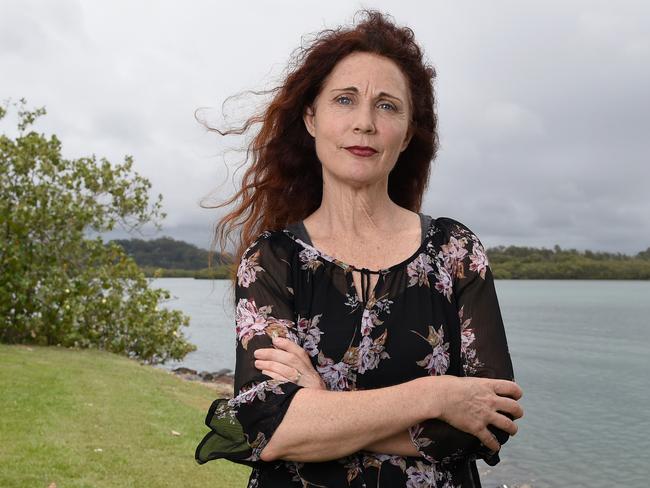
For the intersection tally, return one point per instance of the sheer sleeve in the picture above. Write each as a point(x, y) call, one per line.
point(241, 427)
point(484, 350)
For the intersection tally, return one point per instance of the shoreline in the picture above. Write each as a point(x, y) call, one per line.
point(221, 381)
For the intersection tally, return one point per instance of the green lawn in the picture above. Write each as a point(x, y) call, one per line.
point(94, 419)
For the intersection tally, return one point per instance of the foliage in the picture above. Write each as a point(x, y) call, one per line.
point(58, 287)
point(222, 272)
point(168, 253)
point(514, 262)
point(644, 254)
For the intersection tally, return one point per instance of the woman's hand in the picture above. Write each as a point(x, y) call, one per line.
point(285, 361)
point(471, 404)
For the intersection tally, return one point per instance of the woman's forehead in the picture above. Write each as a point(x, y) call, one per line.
point(366, 71)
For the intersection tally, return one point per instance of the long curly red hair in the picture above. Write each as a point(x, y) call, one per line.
point(283, 183)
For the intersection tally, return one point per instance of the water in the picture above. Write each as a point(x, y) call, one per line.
point(581, 353)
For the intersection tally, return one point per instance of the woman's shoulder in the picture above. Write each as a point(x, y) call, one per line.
point(452, 228)
point(452, 236)
point(459, 249)
point(268, 256)
point(271, 245)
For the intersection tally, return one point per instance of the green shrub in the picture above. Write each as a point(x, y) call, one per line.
point(56, 285)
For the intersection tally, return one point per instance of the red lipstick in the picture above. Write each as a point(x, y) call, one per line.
point(363, 151)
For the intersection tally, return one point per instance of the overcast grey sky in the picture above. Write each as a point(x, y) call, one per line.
point(544, 106)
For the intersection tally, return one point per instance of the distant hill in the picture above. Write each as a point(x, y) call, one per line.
point(171, 258)
point(515, 262)
point(168, 253)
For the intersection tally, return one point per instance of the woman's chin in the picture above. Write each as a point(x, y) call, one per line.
point(359, 179)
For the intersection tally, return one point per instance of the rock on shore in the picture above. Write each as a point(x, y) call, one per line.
point(222, 380)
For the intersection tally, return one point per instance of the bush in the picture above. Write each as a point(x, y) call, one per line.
point(59, 287)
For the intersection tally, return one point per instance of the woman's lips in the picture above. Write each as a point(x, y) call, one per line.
point(363, 151)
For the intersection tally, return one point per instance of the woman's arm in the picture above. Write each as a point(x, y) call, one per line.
point(399, 444)
point(323, 425)
point(484, 349)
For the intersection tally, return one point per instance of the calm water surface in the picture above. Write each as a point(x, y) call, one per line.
point(580, 350)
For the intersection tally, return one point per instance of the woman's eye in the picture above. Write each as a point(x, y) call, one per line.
point(386, 105)
point(344, 100)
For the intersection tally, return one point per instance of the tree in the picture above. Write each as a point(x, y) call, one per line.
point(58, 287)
point(644, 254)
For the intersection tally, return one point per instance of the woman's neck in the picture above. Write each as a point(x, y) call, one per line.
point(357, 213)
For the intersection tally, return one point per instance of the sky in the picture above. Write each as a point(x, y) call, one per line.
point(543, 106)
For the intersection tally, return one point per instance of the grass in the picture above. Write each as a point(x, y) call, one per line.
point(94, 419)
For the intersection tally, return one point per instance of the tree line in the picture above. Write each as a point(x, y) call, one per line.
point(167, 257)
point(514, 262)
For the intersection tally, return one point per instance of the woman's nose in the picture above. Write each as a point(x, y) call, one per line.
point(364, 122)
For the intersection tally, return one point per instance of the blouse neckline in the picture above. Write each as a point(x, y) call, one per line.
point(426, 224)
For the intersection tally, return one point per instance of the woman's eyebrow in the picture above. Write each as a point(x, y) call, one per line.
point(356, 90)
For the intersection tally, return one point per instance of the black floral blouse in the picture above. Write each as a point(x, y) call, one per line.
point(434, 313)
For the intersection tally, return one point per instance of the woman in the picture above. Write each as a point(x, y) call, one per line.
point(370, 346)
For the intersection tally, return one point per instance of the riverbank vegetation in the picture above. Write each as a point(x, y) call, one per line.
point(60, 287)
point(567, 264)
point(78, 418)
point(156, 259)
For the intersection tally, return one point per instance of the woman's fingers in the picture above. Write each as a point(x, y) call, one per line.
point(279, 356)
point(488, 440)
point(286, 351)
point(308, 379)
point(504, 423)
point(509, 406)
point(285, 371)
point(287, 359)
point(289, 345)
point(475, 403)
point(507, 388)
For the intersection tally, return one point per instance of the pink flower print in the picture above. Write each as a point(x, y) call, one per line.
point(418, 270)
point(466, 334)
point(309, 259)
point(452, 255)
point(309, 333)
point(437, 362)
point(478, 260)
point(376, 460)
point(444, 282)
point(251, 321)
point(383, 305)
point(367, 324)
point(257, 391)
point(471, 363)
point(421, 476)
point(370, 352)
point(337, 376)
point(248, 269)
point(418, 440)
point(370, 316)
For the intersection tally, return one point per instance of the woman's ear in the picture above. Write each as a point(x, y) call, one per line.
point(308, 118)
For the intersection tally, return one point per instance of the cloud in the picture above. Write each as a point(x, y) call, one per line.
point(543, 106)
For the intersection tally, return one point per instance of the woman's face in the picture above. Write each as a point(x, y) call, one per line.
point(361, 119)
